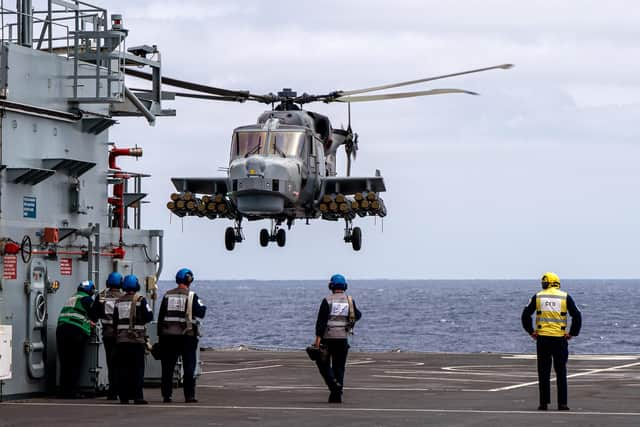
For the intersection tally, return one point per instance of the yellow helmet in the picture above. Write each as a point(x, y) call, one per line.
point(550, 279)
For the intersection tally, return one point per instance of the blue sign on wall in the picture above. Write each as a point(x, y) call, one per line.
point(29, 206)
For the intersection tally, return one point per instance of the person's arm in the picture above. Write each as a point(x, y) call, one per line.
point(357, 312)
point(321, 321)
point(198, 309)
point(147, 313)
point(91, 308)
point(576, 317)
point(527, 323)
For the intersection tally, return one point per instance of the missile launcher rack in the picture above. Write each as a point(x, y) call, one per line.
point(338, 206)
point(209, 206)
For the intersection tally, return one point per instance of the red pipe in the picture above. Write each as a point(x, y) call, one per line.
point(118, 189)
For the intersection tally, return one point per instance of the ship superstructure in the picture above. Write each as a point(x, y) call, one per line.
point(67, 211)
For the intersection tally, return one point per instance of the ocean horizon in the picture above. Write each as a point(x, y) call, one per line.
point(444, 315)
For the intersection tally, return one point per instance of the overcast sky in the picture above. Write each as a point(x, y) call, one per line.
point(538, 173)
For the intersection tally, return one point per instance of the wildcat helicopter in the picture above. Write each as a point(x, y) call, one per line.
point(283, 168)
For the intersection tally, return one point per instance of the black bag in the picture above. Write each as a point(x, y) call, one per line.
point(156, 351)
point(318, 353)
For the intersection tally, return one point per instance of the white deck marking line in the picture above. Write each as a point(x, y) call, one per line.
point(554, 414)
point(439, 379)
point(261, 361)
point(209, 386)
point(312, 387)
point(580, 374)
point(361, 362)
point(487, 374)
point(241, 369)
point(586, 357)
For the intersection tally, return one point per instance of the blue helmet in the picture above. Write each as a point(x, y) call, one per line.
point(184, 276)
point(87, 286)
point(130, 283)
point(338, 281)
point(114, 280)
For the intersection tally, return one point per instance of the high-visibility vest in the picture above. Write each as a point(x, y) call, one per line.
point(551, 312)
point(341, 318)
point(178, 319)
point(74, 313)
point(131, 328)
point(109, 297)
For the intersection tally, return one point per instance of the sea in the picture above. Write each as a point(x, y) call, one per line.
point(462, 316)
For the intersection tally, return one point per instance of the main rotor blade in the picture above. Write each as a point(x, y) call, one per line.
point(400, 95)
point(428, 79)
point(236, 95)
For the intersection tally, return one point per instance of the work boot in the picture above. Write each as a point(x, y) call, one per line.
point(542, 407)
point(563, 408)
point(191, 400)
point(167, 400)
point(140, 402)
point(335, 397)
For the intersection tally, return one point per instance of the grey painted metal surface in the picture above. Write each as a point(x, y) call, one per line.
point(56, 174)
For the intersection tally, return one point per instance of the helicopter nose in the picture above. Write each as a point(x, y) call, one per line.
point(255, 166)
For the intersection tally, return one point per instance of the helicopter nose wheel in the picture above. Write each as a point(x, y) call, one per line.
point(277, 235)
point(353, 235)
point(233, 235)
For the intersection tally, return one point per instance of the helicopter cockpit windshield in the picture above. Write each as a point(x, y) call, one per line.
point(286, 144)
point(280, 144)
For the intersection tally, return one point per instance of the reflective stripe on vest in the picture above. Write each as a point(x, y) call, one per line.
point(109, 298)
point(175, 319)
point(74, 313)
point(551, 312)
point(338, 323)
point(125, 331)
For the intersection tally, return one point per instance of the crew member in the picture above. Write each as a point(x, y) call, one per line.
point(551, 306)
point(178, 331)
point(336, 318)
point(75, 323)
point(106, 302)
point(130, 315)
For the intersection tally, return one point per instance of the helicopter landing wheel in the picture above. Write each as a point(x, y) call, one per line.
point(264, 237)
point(356, 238)
point(230, 238)
point(281, 237)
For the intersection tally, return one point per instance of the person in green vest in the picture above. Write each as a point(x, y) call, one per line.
point(75, 325)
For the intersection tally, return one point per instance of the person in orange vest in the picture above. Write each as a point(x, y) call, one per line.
point(551, 306)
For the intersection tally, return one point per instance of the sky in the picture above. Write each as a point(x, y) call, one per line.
point(538, 173)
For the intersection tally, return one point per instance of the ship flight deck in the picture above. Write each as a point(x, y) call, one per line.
point(273, 388)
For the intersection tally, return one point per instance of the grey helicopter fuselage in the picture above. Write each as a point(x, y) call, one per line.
point(276, 165)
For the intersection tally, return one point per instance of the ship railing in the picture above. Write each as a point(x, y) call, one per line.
point(78, 31)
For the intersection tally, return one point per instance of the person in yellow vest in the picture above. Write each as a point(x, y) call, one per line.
point(75, 324)
point(552, 306)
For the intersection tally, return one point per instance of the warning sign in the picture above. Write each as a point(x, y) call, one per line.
point(10, 267)
point(66, 268)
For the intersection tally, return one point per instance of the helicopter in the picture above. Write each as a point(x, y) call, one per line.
point(283, 167)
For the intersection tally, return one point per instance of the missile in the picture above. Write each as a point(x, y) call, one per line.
point(175, 197)
point(323, 207)
point(340, 198)
point(188, 196)
point(371, 196)
point(359, 196)
point(327, 198)
point(333, 207)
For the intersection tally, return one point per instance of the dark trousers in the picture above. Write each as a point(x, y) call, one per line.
point(110, 352)
point(130, 371)
point(332, 369)
point(172, 347)
point(71, 343)
point(556, 350)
